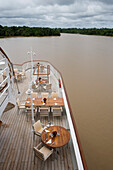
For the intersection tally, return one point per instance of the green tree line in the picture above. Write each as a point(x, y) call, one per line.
point(6, 31)
point(88, 31)
point(27, 31)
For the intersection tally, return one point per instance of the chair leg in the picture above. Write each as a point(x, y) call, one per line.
point(48, 118)
point(18, 110)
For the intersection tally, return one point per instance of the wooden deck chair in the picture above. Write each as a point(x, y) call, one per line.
point(19, 77)
point(41, 68)
point(47, 87)
point(44, 111)
point(42, 152)
point(34, 95)
point(20, 104)
point(45, 95)
point(23, 73)
point(29, 112)
point(56, 111)
point(54, 95)
point(15, 70)
point(37, 128)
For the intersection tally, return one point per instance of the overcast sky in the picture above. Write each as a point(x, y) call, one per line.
point(57, 13)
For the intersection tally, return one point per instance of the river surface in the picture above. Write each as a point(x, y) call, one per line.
point(86, 63)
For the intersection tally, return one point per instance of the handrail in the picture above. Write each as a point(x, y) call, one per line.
point(4, 81)
point(10, 66)
point(3, 87)
point(3, 69)
point(4, 90)
point(73, 121)
point(4, 54)
point(2, 59)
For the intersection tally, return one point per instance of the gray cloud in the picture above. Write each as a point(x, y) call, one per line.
point(53, 2)
point(105, 1)
point(57, 13)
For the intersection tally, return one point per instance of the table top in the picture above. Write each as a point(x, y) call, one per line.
point(49, 102)
point(61, 139)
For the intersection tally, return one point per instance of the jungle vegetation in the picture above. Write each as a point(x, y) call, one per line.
point(88, 31)
point(6, 31)
point(12, 31)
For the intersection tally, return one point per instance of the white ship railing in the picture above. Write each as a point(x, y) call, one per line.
point(71, 127)
point(7, 91)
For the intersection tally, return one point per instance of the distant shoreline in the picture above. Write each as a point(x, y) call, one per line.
point(54, 36)
point(29, 36)
point(14, 31)
point(24, 31)
point(89, 31)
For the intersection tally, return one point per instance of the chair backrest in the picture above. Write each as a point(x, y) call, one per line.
point(42, 67)
point(19, 76)
point(48, 86)
point(18, 102)
point(56, 111)
point(44, 109)
point(38, 153)
point(4, 73)
point(34, 95)
point(37, 125)
point(33, 86)
point(28, 109)
point(1, 78)
point(54, 95)
point(45, 95)
point(15, 70)
point(23, 72)
point(42, 151)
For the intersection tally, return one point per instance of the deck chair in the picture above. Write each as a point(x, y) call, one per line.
point(15, 70)
point(41, 68)
point(33, 86)
point(44, 111)
point(45, 95)
point(4, 74)
point(29, 112)
point(19, 77)
point(34, 95)
point(42, 152)
point(47, 87)
point(23, 73)
point(56, 111)
point(54, 95)
point(37, 129)
point(20, 104)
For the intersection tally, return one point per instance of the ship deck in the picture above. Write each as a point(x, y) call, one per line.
point(16, 140)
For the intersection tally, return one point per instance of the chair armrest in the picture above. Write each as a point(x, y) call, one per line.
point(39, 145)
point(42, 124)
point(46, 126)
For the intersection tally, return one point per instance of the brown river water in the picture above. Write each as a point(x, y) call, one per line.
point(86, 64)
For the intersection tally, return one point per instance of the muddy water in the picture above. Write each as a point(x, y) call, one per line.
point(86, 63)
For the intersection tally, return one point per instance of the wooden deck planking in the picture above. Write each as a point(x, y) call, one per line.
point(16, 141)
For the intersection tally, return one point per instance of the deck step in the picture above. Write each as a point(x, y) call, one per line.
point(9, 107)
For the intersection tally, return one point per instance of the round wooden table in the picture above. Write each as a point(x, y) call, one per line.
point(61, 139)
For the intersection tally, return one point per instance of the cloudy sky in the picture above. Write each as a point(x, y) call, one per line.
point(57, 13)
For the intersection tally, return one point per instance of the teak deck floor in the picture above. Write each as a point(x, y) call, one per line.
point(16, 142)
